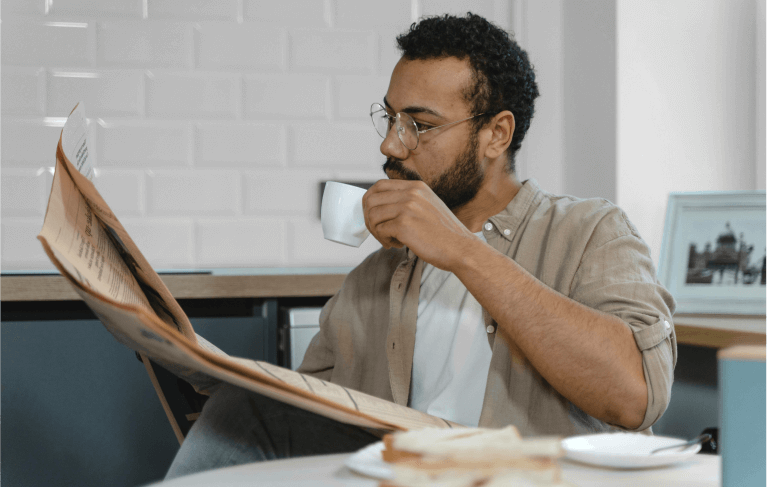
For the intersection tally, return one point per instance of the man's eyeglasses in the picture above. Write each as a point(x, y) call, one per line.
point(407, 128)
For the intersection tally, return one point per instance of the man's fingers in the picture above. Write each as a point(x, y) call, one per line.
point(395, 184)
point(392, 185)
point(371, 200)
point(385, 234)
point(380, 195)
point(381, 213)
point(389, 206)
point(377, 215)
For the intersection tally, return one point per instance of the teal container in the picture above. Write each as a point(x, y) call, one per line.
point(742, 416)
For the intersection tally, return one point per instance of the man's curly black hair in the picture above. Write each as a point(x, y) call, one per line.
point(504, 78)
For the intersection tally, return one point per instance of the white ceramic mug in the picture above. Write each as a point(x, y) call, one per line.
point(341, 214)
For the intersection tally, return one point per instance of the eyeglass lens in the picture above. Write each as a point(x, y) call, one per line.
point(407, 131)
point(380, 119)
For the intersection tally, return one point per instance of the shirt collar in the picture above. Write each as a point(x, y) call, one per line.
point(511, 217)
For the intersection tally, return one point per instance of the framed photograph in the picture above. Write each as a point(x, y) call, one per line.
point(713, 252)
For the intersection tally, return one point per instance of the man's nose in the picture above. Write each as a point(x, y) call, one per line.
point(393, 147)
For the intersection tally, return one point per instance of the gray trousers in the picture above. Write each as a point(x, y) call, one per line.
point(237, 426)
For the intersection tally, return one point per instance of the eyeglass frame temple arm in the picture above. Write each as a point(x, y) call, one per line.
point(448, 124)
point(419, 132)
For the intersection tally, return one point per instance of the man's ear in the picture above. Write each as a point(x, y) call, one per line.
point(501, 132)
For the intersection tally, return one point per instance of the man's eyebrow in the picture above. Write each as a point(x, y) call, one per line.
point(414, 109)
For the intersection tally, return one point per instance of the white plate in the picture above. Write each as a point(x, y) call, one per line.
point(621, 450)
point(369, 461)
point(625, 450)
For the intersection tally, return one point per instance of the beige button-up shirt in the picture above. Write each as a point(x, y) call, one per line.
point(586, 250)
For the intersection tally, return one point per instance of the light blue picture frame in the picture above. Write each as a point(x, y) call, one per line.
point(705, 260)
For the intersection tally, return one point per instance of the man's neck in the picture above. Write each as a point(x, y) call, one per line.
point(496, 193)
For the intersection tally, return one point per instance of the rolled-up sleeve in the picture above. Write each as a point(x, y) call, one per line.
point(617, 276)
point(658, 348)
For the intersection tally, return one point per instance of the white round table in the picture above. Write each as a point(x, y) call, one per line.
point(329, 470)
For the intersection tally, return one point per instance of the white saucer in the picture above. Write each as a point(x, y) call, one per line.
point(625, 450)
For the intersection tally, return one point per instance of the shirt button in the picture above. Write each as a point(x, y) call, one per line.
point(490, 328)
point(507, 232)
point(488, 226)
point(668, 326)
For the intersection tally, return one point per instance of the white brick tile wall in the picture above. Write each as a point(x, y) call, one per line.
point(24, 192)
point(246, 242)
point(29, 142)
point(287, 96)
point(283, 192)
point(123, 190)
point(193, 9)
point(30, 42)
point(144, 43)
point(363, 15)
point(455, 7)
point(180, 94)
point(110, 92)
point(212, 122)
point(309, 247)
point(261, 47)
point(36, 7)
point(388, 53)
point(243, 144)
point(120, 8)
point(21, 249)
point(203, 192)
point(166, 243)
point(293, 13)
point(333, 51)
point(355, 94)
point(333, 144)
point(143, 144)
point(22, 90)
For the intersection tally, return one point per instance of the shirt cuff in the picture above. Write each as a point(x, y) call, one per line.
point(652, 335)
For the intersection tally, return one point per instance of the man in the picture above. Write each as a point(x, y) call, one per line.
point(492, 301)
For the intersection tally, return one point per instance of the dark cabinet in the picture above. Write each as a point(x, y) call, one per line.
point(79, 409)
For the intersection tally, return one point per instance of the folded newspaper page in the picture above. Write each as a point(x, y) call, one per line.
point(89, 246)
point(74, 142)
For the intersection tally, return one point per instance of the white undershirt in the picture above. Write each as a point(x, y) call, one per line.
point(452, 355)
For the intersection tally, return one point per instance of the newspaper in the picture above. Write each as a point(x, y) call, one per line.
point(74, 141)
point(89, 246)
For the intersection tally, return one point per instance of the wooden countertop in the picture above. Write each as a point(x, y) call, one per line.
point(184, 286)
point(715, 331)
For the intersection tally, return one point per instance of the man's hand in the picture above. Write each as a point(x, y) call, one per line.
point(400, 212)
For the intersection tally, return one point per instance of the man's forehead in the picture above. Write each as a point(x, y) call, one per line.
point(433, 85)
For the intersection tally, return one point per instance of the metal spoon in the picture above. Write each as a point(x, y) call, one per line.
point(700, 439)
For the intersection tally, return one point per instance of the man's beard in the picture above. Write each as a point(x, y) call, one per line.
point(458, 185)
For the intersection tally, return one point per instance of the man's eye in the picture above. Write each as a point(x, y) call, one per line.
point(421, 126)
